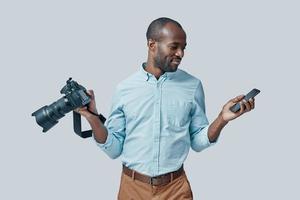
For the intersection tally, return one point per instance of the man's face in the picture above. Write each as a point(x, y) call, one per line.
point(170, 48)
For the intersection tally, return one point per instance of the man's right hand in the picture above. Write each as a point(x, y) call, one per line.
point(91, 107)
point(99, 130)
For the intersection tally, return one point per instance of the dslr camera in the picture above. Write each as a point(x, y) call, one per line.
point(75, 97)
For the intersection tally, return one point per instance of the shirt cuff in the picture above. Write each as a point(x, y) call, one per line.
point(208, 142)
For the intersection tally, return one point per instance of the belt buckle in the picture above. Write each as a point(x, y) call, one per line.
point(153, 182)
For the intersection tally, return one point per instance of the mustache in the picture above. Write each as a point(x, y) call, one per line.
point(176, 59)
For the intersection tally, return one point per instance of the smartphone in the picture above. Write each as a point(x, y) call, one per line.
point(248, 96)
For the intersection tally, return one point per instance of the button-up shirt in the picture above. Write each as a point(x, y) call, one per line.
point(153, 123)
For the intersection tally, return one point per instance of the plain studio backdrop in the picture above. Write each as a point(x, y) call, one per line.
point(233, 46)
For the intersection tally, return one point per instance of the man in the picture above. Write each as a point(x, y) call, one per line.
point(157, 114)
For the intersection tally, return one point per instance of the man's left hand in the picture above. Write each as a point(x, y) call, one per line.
point(245, 106)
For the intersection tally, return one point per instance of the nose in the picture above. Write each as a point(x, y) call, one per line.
point(179, 53)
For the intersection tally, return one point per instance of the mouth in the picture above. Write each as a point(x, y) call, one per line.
point(176, 61)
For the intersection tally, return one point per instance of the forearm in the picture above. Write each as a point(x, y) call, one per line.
point(215, 128)
point(99, 130)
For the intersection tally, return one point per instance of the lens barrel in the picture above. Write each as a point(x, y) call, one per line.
point(48, 116)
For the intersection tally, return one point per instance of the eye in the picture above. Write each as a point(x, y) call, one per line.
point(173, 47)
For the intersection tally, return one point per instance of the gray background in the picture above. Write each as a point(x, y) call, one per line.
point(233, 46)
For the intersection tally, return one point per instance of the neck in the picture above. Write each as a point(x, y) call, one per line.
point(155, 70)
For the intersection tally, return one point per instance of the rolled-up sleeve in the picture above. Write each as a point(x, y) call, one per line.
point(199, 124)
point(115, 125)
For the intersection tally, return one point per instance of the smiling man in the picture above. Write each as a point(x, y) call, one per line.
point(157, 115)
point(166, 44)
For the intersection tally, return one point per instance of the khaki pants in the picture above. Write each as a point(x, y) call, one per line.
point(178, 189)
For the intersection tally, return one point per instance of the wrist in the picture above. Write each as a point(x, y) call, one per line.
point(95, 117)
point(92, 119)
point(222, 120)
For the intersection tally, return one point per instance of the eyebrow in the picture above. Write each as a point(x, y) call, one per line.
point(177, 43)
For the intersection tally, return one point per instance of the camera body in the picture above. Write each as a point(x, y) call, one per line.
point(75, 97)
point(75, 94)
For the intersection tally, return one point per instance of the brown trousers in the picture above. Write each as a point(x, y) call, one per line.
point(178, 189)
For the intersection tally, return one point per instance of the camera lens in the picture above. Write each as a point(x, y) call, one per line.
point(48, 116)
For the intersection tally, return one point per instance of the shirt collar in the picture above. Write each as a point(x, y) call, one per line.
point(167, 75)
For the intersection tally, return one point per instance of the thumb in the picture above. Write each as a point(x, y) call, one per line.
point(233, 101)
point(81, 110)
point(90, 92)
point(237, 99)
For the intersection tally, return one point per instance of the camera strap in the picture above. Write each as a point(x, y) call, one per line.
point(77, 125)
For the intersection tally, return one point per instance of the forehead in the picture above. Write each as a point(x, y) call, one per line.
point(172, 33)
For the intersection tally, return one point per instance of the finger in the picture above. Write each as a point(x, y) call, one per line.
point(252, 104)
point(237, 98)
point(81, 108)
point(90, 92)
point(233, 101)
point(77, 110)
point(247, 105)
point(242, 107)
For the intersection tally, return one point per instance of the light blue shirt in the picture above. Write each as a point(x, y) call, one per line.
point(153, 123)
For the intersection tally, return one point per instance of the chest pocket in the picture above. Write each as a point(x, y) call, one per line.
point(178, 113)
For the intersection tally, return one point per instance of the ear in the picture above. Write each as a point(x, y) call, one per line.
point(151, 44)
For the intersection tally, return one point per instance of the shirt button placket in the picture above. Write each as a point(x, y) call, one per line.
point(156, 128)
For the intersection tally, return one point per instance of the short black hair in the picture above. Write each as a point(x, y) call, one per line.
point(153, 31)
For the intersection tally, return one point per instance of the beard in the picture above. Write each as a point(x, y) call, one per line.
point(164, 63)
